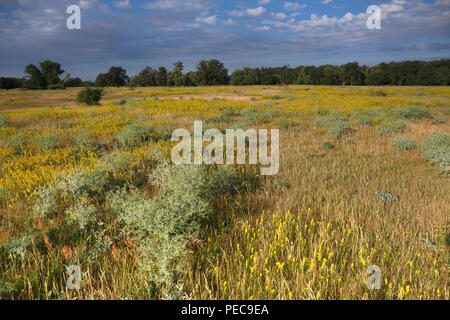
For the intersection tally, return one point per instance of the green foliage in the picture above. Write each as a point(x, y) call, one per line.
point(327, 145)
point(258, 116)
point(90, 96)
point(82, 214)
point(385, 196)
point(48, 141)
point(436, 149)
point(338, 129)
point(82, 137)
point(403, 143)
point(161, 225)
point(412, 112)
point(133, 134)
point(336, 124)
point(3, 120)
point(122, 102)
point(390, 127)
point(17, 248)
point(370, 117)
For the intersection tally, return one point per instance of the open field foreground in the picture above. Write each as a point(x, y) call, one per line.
point(363, 180)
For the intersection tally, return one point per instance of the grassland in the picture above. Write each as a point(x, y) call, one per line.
point(363, 181)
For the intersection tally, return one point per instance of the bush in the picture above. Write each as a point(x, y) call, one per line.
point(327, 145)
point(133, 134)
point(338, 129)
point(370, 117)
point(17, 248)
point(436, 149)
point(82, 214)
point(3, 120)
point(90, 96)
point(412, 112)
point(385, 196)
point(48, 141)
point(390, 127)
point(330, 120)
point(403, 143)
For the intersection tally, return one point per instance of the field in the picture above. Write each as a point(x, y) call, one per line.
point(363, 181)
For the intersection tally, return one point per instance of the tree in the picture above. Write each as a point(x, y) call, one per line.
point(10, 83)
point(51, 72)
point(102, 80)
point(352, 74)
point(117, 77)
point(73, 82)
point(176, 76)
point(212, 72)
point(161, 77)
point(33, 78)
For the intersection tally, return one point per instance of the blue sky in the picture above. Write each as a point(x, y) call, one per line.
point(139, 33)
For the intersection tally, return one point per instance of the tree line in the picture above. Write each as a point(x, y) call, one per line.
point(213, 72)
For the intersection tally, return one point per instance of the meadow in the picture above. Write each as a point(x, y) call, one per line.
point(363, 181)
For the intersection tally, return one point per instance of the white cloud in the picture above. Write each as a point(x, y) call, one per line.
point(443, 3)
point(347, 17)
point(237, 13)
point(84, 4)
point(51, 11)
point(178, 4)
point(278, 16)
point(263, 1)
point(229, 22)
point(262, 28)
point(122, 4)
point(208, 20)
point(294, 6)
point(327, 1)
point(255, 11)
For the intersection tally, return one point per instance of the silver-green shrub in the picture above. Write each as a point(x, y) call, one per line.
point(436, 149)
point(403, 143)
point(390, 127)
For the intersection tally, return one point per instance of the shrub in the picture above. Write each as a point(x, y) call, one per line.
point(403, 143)
point(390, 127)
point(122, 102)
point(82, 214)
point(17, 248)
point(330, 120)
point(385, 196)
point(412, 112)
point(90, 96)
point(327, 145)
point(436, 149)
point(82, 137)
point(48, 141)
point(3, 120)
point(133, 134)
point(338, 129)
point(370, 117)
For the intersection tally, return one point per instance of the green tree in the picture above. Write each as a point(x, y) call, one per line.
point(51, 72)
point(161, 77)
point(33, 78)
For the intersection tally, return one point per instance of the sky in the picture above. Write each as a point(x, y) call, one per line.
point(254, 33)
